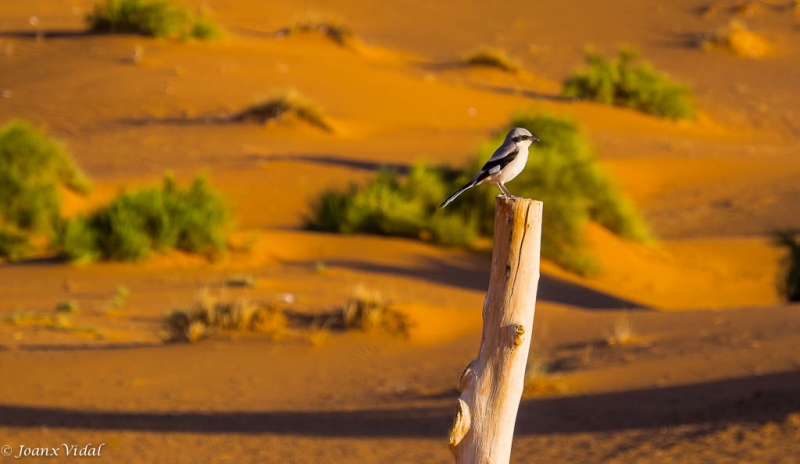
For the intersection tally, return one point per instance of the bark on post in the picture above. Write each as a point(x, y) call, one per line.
point(491, 385)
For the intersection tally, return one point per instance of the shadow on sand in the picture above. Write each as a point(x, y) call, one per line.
point(755, 399)
point(472, 273)
point(48, 34)
point(333, 160)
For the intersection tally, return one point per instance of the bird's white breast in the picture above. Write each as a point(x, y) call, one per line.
point(514, 168)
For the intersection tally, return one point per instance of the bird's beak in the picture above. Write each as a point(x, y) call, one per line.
point(535, 139)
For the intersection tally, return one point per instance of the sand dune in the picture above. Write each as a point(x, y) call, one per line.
point(710, 372)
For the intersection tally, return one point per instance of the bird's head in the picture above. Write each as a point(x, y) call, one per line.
point(521, 137)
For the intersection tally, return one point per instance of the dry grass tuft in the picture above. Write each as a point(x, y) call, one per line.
point(338, 33)
point(491, 58)
point(211, 314)
point(241, 281)
point(366, 310)
point(67, 307)
point(538, 378)
point(789, 280)
point(369, 309)
point(737, 38)
point(286, 107)
point(623, 332)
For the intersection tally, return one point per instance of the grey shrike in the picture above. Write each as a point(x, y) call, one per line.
point(505, 164)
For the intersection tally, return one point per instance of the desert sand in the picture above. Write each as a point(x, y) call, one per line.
point(711, 373)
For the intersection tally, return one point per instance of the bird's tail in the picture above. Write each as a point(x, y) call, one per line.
point(458, 192)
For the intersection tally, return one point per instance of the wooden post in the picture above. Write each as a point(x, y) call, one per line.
point(491, 385)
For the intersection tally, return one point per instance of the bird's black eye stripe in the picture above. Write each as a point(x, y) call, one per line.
point(521, 137)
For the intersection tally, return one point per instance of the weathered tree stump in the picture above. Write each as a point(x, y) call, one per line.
point(491, 385)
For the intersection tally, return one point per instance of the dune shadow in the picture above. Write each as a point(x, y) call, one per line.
point(48, 34)
point(472, 273)
point(680, 40)
point(179, 121)
point(40, 261)
point(533, 95)
point(455, 65)
point(753, 399)
point(85, 347)
point(335, 161)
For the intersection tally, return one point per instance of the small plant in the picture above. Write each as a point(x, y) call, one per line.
point(241, 281)
point(67, 307)
point(338, 33)
point(285, 107)
point(737, 38)
point(623, 332)
point(624, 82)
point(789, 282)
point(538, 377)
point(492, 58)
point(32, 169)
point(120, 296)
point(158, 18)
point(318, 333)
point(587, 354)
point(140, 222)
point(369, 309)
point(211, 314)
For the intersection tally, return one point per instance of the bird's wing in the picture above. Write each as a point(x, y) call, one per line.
point(496, 163)
point(503, 151)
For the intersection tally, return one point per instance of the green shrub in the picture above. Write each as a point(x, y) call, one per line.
point(159, 18)
point(562, 171)
point(789, 282)
point(32, 168)
point(622, 82)
point(156, 219)
point(391, 205)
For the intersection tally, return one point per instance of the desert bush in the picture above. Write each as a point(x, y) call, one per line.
point(32, 169)
point(737, 38)
point(491, 58)
point(159, 18)
point(286, 106)
point(562, 171)
point(396, 206)
point(624, 82)
point(211, 314)
point(139, 222)
point(789, 281)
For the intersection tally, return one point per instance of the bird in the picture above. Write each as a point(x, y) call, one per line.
point(505, 164)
